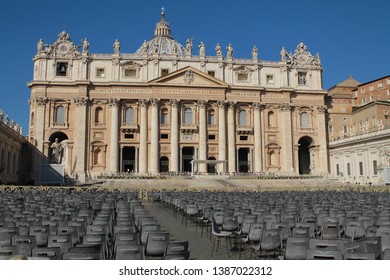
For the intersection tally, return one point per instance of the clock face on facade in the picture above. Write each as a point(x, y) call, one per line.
point(63, 48)
point(302, 59)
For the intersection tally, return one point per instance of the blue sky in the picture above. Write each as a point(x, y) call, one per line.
point(352, 37)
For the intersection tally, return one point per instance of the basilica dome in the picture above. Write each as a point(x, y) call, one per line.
point(162, 43)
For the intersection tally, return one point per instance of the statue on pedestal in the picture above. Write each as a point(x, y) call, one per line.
point(56, 155)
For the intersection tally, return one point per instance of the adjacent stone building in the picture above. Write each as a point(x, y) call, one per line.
point(158, 109)
point(15, 161)
point(358, 125)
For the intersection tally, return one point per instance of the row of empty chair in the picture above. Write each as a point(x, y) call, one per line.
point(68, 224)
point(289, 225)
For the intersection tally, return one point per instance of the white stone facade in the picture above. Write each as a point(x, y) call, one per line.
point(157, 109)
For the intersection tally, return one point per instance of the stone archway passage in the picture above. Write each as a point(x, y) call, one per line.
point(304, 155)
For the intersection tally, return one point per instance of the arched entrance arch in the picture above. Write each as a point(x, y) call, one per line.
point(56, 148)
point(211, 166)
point(304, 155)
point(164, 164)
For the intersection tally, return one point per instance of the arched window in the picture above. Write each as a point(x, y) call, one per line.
point(59, 114)
point(129, 115)
point(271, 119)
point(164, 116)
point(242, 120)
point(187, 116)
point(211, 117)
point(98, 115)
point(304, 120)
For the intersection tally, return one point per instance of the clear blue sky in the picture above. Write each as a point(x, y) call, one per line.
point(352, 37)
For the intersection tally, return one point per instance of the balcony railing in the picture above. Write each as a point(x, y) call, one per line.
point(244, 129)
point(129, 126)
point(60, 124)
point(188, 127)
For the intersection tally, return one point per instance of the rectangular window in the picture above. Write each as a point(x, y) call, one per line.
point(211, 136)
point(62, 69)
point(130, 73)
point(164, 72)
point(371, 98)
point(355, 94)
point(345, 129)
point(242, 77)
point(164, 136)
point(363, 90)
point(375, 167)
point(100, 72)
point(129, 136)
point(211, 73)
point(371, 87)
point(330, 129)
point(380, 84)
point(363, 101)
point(302, 78)
point(243, 138)
point(337, 169)
point(270, 79)
point(361, 171)
point(349, 169)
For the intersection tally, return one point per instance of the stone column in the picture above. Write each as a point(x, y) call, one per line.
point(231, 138)
point(143, 141)
point(202, 167)
point(221, 135)
point(114, 137)
point(121, 160)
point(322, 162)
point(287, 142)
point(81, 137)
point(39, 124)
point(257, 133)
point(174, 162)
point(154, 147)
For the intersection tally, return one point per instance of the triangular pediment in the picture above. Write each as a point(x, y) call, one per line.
point(189, 76)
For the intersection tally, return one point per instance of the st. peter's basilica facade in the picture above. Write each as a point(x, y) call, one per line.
point(172, 108)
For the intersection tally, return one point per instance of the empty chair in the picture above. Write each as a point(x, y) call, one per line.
point(69, 230)
point(23, 227)
point(321, 254)
point(190, 211)
point(156, 244)
point(230, 223)
point(64, 242)
point(5, 239)
point(148, 229)
point(129, 252)
point(296, 248)
point(219, 234)
point(53, 253)
point(354, 230)
point(330, 230)
point(24, 244)
point(271, 241)
point(41, 233)
point(384, 233)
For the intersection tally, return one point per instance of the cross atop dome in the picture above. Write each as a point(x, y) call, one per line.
point(162, 27)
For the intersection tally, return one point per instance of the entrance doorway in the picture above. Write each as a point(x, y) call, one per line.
point(304, 155)
point(164, 164)
point(243, 160)
point(128, 159)
point(187, 157)
point(211, 166)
